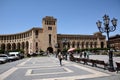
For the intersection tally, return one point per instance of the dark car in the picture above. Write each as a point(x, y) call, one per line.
point(21, 55)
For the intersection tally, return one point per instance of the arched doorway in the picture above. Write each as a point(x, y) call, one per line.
point(18, 46)
point(2, 46)
point(102, 44)
point(50, 49)
point(8, 46)
point(13, 46)
point(23, 45)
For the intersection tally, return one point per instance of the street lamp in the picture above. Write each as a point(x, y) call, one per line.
point(56, 46)
point(65, 42)
point(107, 29)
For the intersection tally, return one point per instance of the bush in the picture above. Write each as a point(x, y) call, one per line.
point(116, 53)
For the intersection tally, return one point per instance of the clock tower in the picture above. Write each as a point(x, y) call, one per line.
point(49, 33)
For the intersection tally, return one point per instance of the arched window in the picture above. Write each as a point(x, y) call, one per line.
point(18, 46)
point(91, 44)
point(78, 44)
point(87, 44)
point(2, 46)
point(73, 44)
point(27, 44)
point(8, 46)
point(23, 45)
point(95, 45)
point(13, 46)
point(82, 45)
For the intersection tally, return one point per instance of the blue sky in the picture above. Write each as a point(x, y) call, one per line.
point(73, 16)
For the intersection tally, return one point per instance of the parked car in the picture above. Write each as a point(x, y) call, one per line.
point(3, 58)
point(21, 55)
point(7, 57)
point(15, 55)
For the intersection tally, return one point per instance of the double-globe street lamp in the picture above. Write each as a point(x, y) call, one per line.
point(107, 29)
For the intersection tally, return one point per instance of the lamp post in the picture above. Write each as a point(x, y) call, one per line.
point(56, 46)
point(107, 29)
point(65, 42)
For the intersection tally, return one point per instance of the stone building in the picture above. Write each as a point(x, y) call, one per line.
point(46, 38)
point(97, 40)
point(115, 42)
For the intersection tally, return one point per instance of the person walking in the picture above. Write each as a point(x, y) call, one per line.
point(60, 57)
point(81, 53)
point(85, 54)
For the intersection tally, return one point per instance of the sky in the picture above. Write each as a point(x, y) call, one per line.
point(73, 16)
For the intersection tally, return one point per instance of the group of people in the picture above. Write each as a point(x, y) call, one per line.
point(85, 54)
point(61, 57)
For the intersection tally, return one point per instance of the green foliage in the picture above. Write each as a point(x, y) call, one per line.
point(65, 50)
point(1, 51)
point(21, 51)
point(16, 50)
point(91, 49)
point(41, 50)
point(116, 53)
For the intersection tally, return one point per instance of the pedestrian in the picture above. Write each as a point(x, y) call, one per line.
point(60, 57)
point(85, 54)
point(81, 54)
point(66, 56)
point(71, 57)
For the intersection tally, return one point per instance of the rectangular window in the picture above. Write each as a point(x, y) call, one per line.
point(49, 28)
point(49, 38)
point(36, 32)
point(36, 44)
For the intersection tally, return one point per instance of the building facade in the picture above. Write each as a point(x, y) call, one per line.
point(46, 38)
point(115, 42)
point(97, 40)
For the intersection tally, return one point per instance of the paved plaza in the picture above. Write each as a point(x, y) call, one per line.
point(48, 68)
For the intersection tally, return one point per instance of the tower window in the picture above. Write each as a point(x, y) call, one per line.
point(49, 28)
point(49, 38)
point(36, 44)
point(36, 32)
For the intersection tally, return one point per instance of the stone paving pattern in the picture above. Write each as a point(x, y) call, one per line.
point(48, 68)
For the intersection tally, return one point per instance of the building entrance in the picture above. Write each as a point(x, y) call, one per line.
point(50, 49)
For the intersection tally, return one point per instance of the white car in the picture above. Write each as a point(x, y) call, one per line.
point(3, 58)
point(15, 55)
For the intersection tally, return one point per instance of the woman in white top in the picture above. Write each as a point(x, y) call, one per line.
point(60, 58)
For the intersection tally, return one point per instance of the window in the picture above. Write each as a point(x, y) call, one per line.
point(49, 38)
point(36, 44)
point(87, 44)
point(49, 28)
point(95, 44)
point(36, 32)
point(102, 44)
